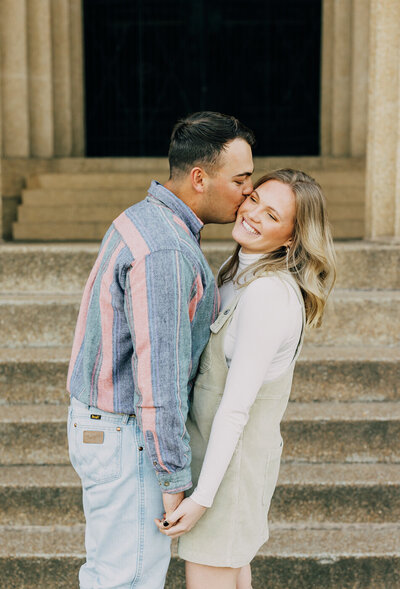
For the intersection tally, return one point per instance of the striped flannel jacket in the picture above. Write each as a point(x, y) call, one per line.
point(143, 323)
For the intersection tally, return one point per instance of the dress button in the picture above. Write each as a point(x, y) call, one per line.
point(226, 312)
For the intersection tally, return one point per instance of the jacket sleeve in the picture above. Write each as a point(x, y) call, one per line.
point(158, 294)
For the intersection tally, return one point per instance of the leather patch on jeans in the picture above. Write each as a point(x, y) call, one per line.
point(93, 437)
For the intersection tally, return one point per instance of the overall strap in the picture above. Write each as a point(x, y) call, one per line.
point(225, 314)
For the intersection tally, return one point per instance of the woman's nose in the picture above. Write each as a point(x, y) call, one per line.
point(253, 214)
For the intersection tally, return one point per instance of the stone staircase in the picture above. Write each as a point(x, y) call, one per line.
point(335, 513)
point(80, 206)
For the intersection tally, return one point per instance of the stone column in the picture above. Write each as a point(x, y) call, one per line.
point(344, 77)
point(359, 77)
point(62, 91)
point(77, 81)
point(1, 161)
point(40, 78)
point(16, 141)
point(326, 77)
point(341, 74)
point(383, 143)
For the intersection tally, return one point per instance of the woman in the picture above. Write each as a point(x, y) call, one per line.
point(275, 284)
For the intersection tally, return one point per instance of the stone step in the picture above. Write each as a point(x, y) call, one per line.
point(64, 268)
point(38, 375)
point(313, 432)
point(370, 318)
point(105, 211)
point(308, 493)
point(102, 181)
point(36, 201)
point(295, 557)
point(342, 172)
point(94, 231)
point(76, 207)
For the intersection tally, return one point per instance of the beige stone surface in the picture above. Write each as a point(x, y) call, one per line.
point(40, 78)
point(359, 77)
point(77, 81)
point(14, 72)
point(18, 170)
point(341, 99)
point(62, 91)
point(382, 210)
point(326, 77)
point(1, 161)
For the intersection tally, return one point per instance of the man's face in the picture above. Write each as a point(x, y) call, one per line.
point(230, 184)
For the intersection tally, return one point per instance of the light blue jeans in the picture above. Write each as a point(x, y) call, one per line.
point(121, 498)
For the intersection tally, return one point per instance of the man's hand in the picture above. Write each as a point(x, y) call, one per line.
point(182, 519)
point(171, 501)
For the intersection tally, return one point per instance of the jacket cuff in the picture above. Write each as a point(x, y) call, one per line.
point(175, 482)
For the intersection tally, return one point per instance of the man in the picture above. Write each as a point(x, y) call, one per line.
point(143, 323)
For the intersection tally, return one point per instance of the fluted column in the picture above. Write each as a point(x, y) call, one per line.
point(40, 78)
point(14, 66)
point(62, 78)
point(359, 77)
point(1, 160)
point(383, 144)
point(326, 77)
point(77, 81)
point(341, 75)
point(344, 77)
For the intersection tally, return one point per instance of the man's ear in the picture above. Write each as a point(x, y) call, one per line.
point(198, 178)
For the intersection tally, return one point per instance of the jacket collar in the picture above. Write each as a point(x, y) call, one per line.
point(177, 206)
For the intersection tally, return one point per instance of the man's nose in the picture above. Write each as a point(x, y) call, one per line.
point(248, 187)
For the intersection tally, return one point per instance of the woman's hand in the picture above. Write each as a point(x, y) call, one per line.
point(182, 519)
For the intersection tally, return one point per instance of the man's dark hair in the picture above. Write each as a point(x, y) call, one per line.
point(199, 139)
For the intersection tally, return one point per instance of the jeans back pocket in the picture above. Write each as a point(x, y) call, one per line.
point(95, 451)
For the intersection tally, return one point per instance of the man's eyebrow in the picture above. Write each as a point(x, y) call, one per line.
point(243, 174)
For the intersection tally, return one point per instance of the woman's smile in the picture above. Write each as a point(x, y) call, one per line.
point(249, 228)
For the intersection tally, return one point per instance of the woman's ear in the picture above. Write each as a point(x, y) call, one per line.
point(289, 242)
point(198, 179)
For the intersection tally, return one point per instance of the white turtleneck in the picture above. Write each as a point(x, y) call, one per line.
point(259, 345)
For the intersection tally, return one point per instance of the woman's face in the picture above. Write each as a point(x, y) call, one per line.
point(265, 221)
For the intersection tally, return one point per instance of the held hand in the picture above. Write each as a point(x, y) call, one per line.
point(182, 519)
point(171, 501)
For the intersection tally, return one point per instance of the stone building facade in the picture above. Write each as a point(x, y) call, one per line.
point(42, 118)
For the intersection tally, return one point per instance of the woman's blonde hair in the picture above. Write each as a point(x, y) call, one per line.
point(311, 258)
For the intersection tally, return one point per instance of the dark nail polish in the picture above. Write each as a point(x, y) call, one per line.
point(166, 524)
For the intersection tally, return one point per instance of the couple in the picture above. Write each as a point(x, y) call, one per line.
point(158, 407)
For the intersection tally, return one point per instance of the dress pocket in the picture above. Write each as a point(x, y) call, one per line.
point(271, 474)
point(95, 451)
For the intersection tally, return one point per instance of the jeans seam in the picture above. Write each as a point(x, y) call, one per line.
point(141, 510)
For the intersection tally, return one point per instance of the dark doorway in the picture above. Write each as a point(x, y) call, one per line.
point(149, 62)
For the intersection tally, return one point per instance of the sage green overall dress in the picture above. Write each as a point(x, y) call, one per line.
point(230, 533)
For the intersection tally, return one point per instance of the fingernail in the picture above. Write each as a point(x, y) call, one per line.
point(166, 524)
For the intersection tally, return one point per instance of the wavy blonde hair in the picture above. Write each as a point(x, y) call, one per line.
point(311, 258)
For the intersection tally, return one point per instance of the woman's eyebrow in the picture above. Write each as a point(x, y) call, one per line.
point(268, 206)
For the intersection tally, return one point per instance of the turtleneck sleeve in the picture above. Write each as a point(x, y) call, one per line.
point(266, 326)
